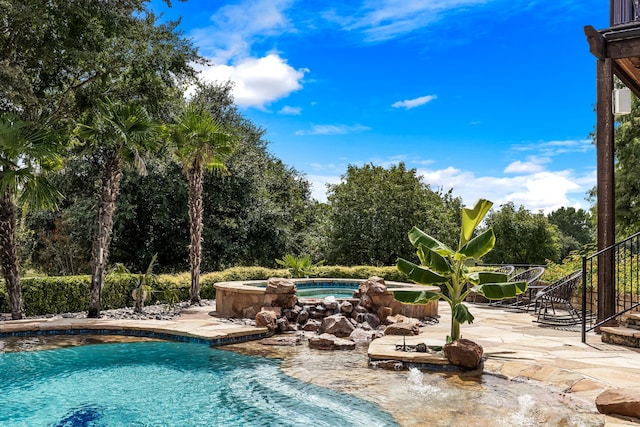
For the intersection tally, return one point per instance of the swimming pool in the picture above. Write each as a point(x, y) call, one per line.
point(166, 383)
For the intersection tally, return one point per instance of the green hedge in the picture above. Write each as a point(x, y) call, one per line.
point(64, 294)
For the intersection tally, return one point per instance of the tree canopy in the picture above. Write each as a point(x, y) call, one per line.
point(575, 226)
point(373, 209)
point(59, 56)
point(522, 237)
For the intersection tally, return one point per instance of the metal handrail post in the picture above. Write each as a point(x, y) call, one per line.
point(584, 299)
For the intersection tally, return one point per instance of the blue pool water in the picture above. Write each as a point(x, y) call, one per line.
point(166, 384)
point(325, 289)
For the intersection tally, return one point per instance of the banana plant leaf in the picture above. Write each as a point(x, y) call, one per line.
point(418, 237)
point(419, 274)
point(479, 246)
point(498, 291)
point(482, 277)
point(416, 297)
point(434, 260)
point(471, 218)
point(461, 314)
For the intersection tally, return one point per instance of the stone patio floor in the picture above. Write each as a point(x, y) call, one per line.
point(514, 345)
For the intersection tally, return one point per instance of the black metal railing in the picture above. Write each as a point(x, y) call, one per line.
point(623, 258)
point(625, 12)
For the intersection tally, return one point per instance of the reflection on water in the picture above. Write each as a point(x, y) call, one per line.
point(415, 398)
point(418, 398)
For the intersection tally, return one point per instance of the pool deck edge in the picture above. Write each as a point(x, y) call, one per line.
point(195, 326)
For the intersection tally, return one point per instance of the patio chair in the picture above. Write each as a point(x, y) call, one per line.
point(504, 269)
point(554, 305)
point(525, 300)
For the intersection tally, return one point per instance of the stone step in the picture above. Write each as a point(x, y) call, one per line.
point(621, 335)
point(633, 321)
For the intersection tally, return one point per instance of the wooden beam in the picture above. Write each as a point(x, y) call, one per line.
point(597, 43)
point(628, 74)
point(605, 187)
point(625, 48)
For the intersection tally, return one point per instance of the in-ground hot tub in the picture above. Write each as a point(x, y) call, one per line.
point(245, 298)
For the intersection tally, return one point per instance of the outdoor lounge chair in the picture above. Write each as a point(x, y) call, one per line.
point(553, 304)
point(525, 300)
point(504, 269)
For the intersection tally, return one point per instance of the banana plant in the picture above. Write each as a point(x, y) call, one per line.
point(441, 265)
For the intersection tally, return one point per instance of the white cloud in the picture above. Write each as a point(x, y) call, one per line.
point(556, 147)
point(387, 19)
point(337, 129)
point(237, 26)
point(413, 103)
point(523, 167)
point(258, 81)
point(290, 111)
point(319, 185)
point(228, 45)
point(545, 191)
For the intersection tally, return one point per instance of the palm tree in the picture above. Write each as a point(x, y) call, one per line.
point(201, 143)
point(120, 134)
point(26, 155)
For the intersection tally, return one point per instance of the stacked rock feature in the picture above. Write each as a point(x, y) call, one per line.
point(334, 324)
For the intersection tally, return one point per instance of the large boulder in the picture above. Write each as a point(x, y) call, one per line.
point(280, 293)
point(267, 319)
point(620, 401)
point(401, 325)
point(361, 336)
point(337, 325)
point(330, 342)
point(346, 307)
point(464, 353)
point(312, 325)
point(278, 285)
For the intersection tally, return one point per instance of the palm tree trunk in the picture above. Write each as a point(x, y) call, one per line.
point(195, 176)
point(8, 255)
point(110, 186)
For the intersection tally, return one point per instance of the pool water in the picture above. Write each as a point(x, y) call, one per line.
point(323, 290)
point(166, 384)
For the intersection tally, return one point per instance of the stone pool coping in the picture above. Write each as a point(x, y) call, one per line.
point(194, 325)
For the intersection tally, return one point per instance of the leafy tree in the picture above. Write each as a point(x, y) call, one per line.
point(119, 134)
point(151, 212)
point(26, 155)
point(372, 208)
point(252, 215)
point(262, 208)
point(201, 143)
point(522, 237)
point(58, 56)
point(575, 226)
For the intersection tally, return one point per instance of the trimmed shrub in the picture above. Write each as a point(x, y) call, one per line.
point(57, 294)
point(65, 294)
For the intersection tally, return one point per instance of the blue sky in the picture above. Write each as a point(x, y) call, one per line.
point(493, 98)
